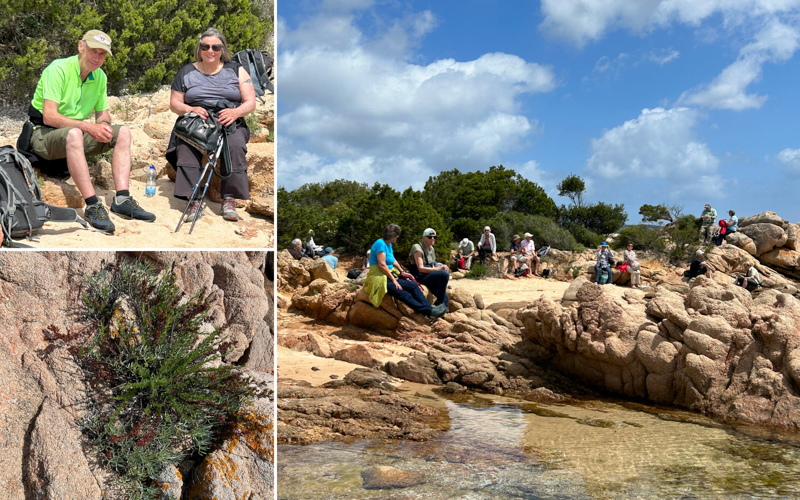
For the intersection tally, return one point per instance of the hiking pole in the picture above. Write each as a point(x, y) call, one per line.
point(210, 165)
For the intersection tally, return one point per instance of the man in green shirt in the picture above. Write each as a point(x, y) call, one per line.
point(707, 227)
point(68, 92)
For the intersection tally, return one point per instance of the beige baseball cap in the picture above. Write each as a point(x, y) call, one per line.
point(96, 39)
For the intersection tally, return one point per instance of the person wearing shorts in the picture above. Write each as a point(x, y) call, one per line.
point(67, 93)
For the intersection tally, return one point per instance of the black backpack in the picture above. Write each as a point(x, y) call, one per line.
point(353, 274)
point(22, 210)
point(259, 67)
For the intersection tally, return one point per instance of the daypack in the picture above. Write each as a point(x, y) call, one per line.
point(259, 66)
point(542, 252)
point(22, 210)
point(353, 274)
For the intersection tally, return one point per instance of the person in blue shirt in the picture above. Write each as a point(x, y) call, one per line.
point(386, 277)
point(733, 222)
point(330, 258)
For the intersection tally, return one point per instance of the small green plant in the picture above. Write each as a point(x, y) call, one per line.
point(352, 286)
point(169, 398)
point(252, 123)
point(102, 156)
point(576, 271)
point(477, 272)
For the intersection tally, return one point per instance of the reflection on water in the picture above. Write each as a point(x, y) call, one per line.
point(502, 448)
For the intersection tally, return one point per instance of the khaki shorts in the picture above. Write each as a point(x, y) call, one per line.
point(51, 143)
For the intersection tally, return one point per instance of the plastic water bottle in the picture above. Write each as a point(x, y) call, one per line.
point(150, 186)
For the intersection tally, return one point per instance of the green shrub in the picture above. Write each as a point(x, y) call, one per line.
point(642, 236)
point(586, 237)
point(545, 231)
point(169, 401)
point(477, 271)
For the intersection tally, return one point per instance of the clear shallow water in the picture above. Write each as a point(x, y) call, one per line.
point(503, 448)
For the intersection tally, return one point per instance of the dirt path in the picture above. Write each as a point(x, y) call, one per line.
point(210, 232)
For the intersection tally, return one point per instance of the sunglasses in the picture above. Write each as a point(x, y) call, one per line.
point(216, 47)
point(433, 237)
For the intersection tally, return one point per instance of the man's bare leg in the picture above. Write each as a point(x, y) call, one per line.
point(121, 160)
point(76, 163)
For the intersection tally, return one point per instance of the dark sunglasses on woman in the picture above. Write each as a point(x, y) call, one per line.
point(216, 47)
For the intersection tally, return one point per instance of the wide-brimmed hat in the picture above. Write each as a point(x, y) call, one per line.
point(515, 237)
point(96, 39)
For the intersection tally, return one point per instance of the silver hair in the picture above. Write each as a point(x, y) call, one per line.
point(391, 231)
point(698, 253)
point(296, 242)
point(224, 56)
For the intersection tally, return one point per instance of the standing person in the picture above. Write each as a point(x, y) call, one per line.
point(427, 271)
point(530, 251)
point(387, 277)
point(66, 94)
point(327, 256)
point(487, 245)
point(365, 264)
point(708, 217)
point(206, 86)
point(733, 222)
point(467, 249)
point(629, 256)
point(605, 259)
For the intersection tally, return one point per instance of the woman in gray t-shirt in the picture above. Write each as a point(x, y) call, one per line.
point(199, 87)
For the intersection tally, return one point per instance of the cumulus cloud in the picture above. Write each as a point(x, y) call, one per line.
point(360, 107)
point(660, 143)
point(581, 21)
point(790, 158)
point(774, 21)
point(776, 43)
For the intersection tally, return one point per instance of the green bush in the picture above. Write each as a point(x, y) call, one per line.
point(642, 236)
point(169, 401)
point(151, 39)
point(545, 231)
point(477, 271)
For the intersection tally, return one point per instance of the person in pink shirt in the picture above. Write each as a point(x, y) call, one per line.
point(530, 250)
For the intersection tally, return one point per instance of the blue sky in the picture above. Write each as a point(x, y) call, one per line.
point(677, 101)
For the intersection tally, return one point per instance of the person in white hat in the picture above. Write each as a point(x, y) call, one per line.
point(467, 250)
point(68, 92)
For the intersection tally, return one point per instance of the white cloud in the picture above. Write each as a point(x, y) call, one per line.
point(359, 107)
point(581, 21)
point(664, 56)
point(790, 158)
point(660, 143)
point(776, 43)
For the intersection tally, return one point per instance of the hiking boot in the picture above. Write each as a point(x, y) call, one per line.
point(97, 216)
point(229, 210)
point(438, 311)
point(130, 209)
point(194, 212)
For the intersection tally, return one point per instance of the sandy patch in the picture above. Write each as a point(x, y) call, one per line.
point(210, 232)
point(520, 290)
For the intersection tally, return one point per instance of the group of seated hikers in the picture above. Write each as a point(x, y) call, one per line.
point(700, 267)
point(525, 261)
point(70, 90)
point(605, 262)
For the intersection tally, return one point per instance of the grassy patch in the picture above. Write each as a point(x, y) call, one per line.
point(477, 272)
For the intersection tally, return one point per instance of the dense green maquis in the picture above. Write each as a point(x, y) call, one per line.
point(170, 395)
point(350, 216)
point(151, 40)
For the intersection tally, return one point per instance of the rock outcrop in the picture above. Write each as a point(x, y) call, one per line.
point(714, 349)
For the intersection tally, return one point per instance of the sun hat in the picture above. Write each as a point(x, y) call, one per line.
point(528, 235)
point(487, 228)
point(328, 250)
point(603, 244)
point(96, 39)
